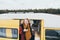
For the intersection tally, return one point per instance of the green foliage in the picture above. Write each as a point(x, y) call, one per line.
point(51, 11)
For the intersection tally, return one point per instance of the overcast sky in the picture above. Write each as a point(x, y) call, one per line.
point(28, 4)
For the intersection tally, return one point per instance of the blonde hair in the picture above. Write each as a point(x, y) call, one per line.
point(28, 25)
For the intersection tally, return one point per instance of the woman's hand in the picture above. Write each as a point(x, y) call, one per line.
point(25, 30)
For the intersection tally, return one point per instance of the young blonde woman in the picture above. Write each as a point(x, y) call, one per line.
point(26, 32)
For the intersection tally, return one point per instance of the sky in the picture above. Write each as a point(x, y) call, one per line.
point(29, 4)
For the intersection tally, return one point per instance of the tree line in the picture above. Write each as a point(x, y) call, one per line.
point(51, 11)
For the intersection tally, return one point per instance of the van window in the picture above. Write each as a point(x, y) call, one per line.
point(52, 34)
point(14, 33)
point(2, 32)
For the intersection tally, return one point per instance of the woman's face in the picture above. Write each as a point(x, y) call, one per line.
point(26, 21)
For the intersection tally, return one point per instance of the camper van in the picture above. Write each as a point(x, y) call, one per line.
point(44, 26)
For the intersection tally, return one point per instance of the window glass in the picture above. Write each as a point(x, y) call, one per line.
point(52, 34)
point(14, 33)
point(2, 32)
